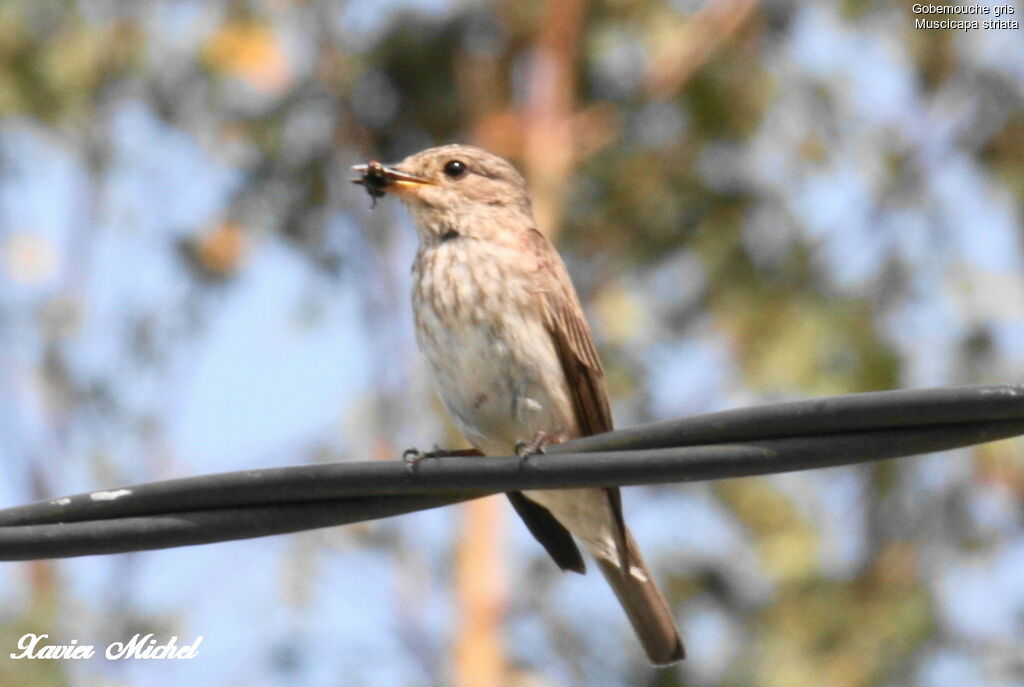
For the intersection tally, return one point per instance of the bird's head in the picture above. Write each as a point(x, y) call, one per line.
point(453, 188)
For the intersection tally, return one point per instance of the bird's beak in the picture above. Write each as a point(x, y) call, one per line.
point(379, 179)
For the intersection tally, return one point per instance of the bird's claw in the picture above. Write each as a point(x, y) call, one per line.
point(525, 449)
point(412, 456)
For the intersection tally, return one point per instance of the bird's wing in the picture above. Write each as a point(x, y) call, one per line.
point(581, 366)
point(570, 334)
point(551, 534)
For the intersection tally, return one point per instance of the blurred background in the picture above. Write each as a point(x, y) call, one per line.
point(757, 202)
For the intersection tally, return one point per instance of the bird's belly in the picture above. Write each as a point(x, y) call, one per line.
point(498, 376)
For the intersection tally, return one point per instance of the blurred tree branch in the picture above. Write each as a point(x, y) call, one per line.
point(687, 44)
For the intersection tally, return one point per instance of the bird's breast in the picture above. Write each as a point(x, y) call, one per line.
point(480, 325)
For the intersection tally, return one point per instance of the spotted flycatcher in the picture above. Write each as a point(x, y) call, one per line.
point(512, 356)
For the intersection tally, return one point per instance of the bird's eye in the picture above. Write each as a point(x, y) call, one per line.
point(454, 169)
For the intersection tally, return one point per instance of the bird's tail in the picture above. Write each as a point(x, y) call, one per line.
point(644, 604)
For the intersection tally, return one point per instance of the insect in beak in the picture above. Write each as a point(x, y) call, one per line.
point(379, 179)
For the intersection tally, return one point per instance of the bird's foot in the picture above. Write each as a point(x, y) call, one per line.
point(525, 449)
point(412, 456)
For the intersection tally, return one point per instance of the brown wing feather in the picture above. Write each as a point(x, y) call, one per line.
point(580, 364)
point(573, 342)
point(551, 534)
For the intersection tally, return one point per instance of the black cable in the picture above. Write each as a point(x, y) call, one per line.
point(781, 437)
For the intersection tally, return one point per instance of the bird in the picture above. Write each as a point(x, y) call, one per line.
point(512, 356)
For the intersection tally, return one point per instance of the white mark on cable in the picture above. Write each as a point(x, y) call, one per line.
point(1003, 391)
point(109, 495)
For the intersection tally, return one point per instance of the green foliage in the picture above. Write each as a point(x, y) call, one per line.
point(54, 63)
